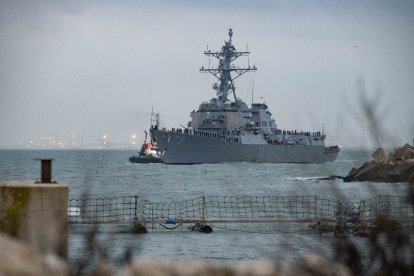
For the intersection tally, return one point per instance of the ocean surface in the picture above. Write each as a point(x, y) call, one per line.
point(107, 173)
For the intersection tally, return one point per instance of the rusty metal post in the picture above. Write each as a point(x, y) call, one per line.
point(45, 170)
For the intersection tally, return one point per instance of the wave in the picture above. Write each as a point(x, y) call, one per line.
point(313, 178)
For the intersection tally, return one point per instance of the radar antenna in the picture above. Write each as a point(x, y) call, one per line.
point(223, 71)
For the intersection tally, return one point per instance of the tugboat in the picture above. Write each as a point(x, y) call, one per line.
point(149, 153)
point(227, 130)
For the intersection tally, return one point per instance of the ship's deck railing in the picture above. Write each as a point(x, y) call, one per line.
point(227, 132)
point(233, 136)
point(236, 209)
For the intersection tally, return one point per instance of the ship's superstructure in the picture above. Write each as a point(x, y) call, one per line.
point(225, 129)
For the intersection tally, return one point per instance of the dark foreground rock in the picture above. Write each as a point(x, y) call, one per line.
point(18, 258)
point(397, 166)
point(311, 265)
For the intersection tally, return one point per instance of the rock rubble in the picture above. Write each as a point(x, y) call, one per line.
point(397, 166)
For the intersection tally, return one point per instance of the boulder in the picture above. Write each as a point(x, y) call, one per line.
point(411, 178)
point(403, 171)
point(400, 151)
point(375, 172)
point(379, 155)
point(391, 157)
point(352, 171)
point(407, 154)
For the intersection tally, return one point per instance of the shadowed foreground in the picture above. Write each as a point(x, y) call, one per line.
point(21, 259)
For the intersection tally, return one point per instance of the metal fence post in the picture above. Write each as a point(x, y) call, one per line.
point(203, 208)
point(379, 205)
point(136, 206)
point(45, 171)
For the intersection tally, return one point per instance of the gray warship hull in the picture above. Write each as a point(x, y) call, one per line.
point(181, 148)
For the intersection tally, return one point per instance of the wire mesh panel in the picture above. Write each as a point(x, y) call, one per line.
point(109, 210)
point(326, 208)
point(227, 207)
point(395, 207)
point(369, 208)
point(102, 210)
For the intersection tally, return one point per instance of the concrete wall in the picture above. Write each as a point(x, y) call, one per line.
point(36, 213)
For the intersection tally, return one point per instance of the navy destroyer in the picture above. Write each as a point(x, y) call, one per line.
point(225, 129)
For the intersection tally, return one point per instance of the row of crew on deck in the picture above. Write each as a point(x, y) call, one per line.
point(233, 136)
point(305, 133)
point(227, 135)
point(232, 132)
point(198, 133)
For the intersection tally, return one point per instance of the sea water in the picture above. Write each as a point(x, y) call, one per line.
point(108, 173)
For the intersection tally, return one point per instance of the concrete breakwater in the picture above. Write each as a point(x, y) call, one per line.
point(397, 166)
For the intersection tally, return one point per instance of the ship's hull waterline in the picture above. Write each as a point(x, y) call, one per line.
point(184, 148)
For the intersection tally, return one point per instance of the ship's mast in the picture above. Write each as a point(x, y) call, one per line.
point(226, 56)
point(155, 118)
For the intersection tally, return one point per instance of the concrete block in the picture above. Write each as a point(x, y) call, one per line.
point(36, 213)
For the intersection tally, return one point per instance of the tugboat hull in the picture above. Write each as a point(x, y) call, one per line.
point(145, 159)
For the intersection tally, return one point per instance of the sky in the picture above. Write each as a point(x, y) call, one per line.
point(89, 68)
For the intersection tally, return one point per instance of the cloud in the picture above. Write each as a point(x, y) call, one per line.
point(100, 66)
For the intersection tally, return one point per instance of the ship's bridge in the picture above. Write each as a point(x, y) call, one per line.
point(217, 114)
point(259, 106)
point(262, 117)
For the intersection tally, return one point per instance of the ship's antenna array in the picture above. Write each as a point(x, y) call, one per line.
point(252, 90)
point(152, 114)
point(225, 68)
point(155, 118)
